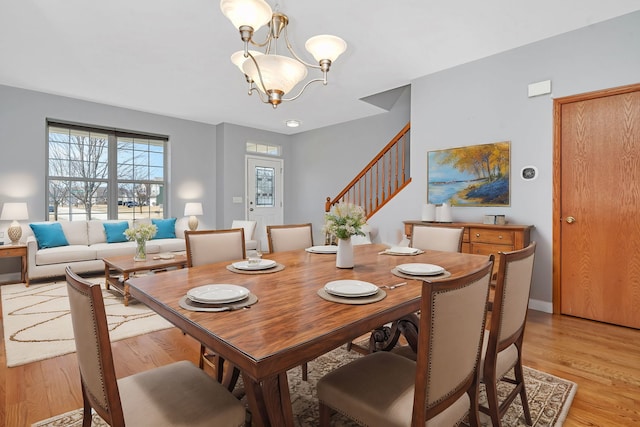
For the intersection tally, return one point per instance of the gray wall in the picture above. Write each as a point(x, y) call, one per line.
point(486, 101)
point(480, 102)
point(324, 161)
point(23, 137)
point(231, 168)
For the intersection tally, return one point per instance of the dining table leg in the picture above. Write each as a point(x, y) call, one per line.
point(269, 400)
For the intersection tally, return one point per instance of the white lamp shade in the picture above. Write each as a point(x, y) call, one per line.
point(278, 72)
point(192, 209)
point(238, 58)
point(253, 13)
point(14, 212)
point(325, 47)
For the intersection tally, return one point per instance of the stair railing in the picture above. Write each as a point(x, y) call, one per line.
point(384, 177)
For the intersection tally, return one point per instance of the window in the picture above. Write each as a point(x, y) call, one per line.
point(95, 173)
point(260, 148)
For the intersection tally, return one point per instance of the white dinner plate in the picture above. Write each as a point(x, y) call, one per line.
point(350, 288)
point(328, 249)
point(402, 250)
point(263, 265)
point(420, 269)
point(217, 294)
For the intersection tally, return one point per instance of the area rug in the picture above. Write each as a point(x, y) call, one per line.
point(549, 398)
point(37, 321)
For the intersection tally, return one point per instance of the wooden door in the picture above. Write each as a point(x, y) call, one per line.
point(597, 269)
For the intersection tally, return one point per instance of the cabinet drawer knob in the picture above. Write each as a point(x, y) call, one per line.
point(477, 234)
point(500, 236)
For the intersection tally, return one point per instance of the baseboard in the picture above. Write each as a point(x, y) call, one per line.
point(543, 306)
point(10, 278)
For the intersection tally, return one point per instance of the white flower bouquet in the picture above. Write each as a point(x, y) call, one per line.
point(345, 220)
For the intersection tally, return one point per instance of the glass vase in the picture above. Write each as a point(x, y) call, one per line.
point(344, 256)
point(141, 250)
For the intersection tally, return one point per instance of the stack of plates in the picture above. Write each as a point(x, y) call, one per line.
point(262, 265)
point(217, 294)
point(328, 249)
point(420, 269)
point(350, 288)
point(402, 250)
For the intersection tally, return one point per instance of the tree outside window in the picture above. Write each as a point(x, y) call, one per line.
point(99, 174)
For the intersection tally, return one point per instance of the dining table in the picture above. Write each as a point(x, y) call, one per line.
point(292, 321)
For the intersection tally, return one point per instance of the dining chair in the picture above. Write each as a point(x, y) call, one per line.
point(289, 237)
point(211, 246)
point(423, 237)
point(441, 386)
point(208, 247)
point(427, 237)
point(502, 349)
point(174, 394)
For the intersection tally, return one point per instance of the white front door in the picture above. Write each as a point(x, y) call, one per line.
point(264, 195)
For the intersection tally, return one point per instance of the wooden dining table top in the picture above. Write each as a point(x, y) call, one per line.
point(291, 324)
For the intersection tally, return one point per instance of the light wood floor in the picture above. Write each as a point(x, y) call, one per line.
point(604, 360)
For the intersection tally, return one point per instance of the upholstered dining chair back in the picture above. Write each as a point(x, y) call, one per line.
point(450, 342)
point(428, 237)
point(441, 386)
point(211, 246)
point(178, 393)
point(93, 349)
point(289, 237)
point(503, 341)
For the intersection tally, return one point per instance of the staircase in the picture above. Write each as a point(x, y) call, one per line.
point(384, 177)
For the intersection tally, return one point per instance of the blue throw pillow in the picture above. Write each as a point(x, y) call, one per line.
point(49, 235)
point(115, 231)
point(166, 228)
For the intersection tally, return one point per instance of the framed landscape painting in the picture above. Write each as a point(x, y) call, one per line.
point(475, 175)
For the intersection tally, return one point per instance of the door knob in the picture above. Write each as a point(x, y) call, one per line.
point(570, 220)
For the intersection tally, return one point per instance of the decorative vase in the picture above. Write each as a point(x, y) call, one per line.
point(141, 250)
point(344, 256)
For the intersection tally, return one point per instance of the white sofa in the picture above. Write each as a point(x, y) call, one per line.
point(87, 246)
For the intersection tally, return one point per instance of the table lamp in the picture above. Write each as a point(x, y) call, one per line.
point(14, 212)
point(192, 209)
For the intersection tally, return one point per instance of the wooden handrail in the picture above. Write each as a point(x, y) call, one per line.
point(391, 175)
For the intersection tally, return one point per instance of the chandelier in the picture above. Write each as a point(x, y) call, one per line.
point(268, 73)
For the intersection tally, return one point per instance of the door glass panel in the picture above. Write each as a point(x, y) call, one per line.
point(265, 187)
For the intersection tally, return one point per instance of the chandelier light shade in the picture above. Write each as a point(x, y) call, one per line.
point(14, 212)
point(279, 73)
point(250, 13)
point(325, 47)
point(273, 75)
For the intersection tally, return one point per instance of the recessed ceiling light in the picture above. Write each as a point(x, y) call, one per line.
point(292, 123)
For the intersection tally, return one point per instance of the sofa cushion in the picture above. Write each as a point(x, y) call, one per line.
point(115, 231)
point(166, 228)
point(49, 235)
point(169, 245)
point(106, 250)
point(96, 233)
point(75, 232)
point(65, 254)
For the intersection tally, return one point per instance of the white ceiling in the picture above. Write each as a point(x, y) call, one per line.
point(171, 57)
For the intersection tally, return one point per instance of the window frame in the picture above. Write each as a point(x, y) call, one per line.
point(113, 181)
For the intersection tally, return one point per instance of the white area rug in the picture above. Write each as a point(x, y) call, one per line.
point(37, 321)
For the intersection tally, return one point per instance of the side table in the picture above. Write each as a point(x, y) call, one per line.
point(11, 251)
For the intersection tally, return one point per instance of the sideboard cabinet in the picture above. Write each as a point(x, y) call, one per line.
point(484, 239)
